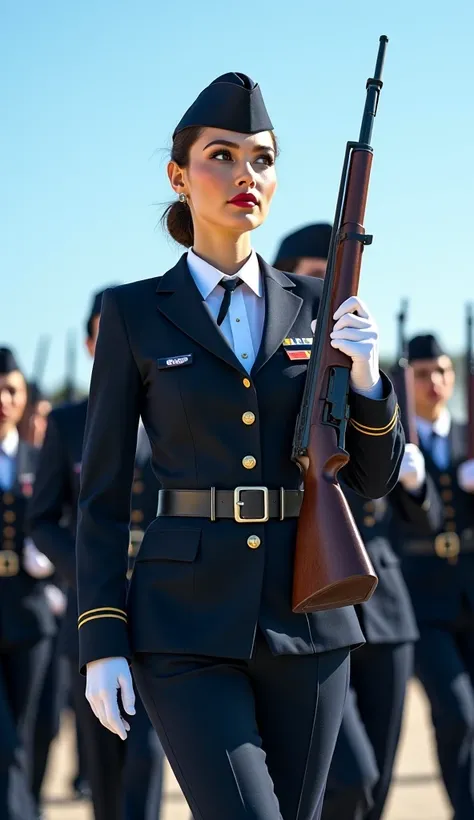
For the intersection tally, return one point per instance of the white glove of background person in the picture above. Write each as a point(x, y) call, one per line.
point(466, 476)
point(56, 599)
point(357, 336)
point(412, 470)
point(104, 678)
point(35, 563)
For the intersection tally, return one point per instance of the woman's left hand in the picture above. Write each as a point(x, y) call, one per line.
point(355, 334)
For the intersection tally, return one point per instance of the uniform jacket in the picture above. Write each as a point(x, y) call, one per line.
point(197, 587)
point(388, 616)
point(53, 507)
point(439, 586)
point(25, 617)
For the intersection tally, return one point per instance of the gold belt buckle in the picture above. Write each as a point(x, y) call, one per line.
point(447, 545)
point(9, 564)
point(238, 504)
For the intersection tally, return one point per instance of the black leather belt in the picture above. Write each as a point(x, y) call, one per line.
point(444, 545)
point(246, 505)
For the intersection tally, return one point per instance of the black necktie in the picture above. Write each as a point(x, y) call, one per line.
point(229, 286)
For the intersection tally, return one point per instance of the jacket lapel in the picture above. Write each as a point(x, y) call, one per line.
point(181, 302)
point(281, 309)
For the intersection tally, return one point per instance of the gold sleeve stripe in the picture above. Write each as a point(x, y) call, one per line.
point(96, 617)
point(102, 609)
point(377, 431)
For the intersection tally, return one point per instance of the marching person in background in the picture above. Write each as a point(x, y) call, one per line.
point(32, 426)
point(26, 622)
point(362, 765)
point(439, 572)
point(246, 695)
point(125, 781)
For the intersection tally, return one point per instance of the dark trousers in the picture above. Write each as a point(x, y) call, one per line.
point(125, 777)
point(444, 662)
point(51, 701)
point(361, 769)
point(21, 674)
point(247, 740)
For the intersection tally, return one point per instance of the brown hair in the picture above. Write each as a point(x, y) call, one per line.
point(177, 217)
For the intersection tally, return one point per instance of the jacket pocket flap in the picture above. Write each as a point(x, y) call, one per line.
point(169, 545)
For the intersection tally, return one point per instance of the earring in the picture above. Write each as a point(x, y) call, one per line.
point(183, 198)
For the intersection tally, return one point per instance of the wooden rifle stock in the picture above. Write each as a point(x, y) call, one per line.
point(470, 383)
point(332, 567)
point(403, 379)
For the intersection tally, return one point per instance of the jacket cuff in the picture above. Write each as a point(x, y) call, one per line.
point(103, 633)
point(374, 417)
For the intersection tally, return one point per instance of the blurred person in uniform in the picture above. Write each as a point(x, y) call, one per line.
point(439, 572)
point(125, 780)
point(362, 765)
point(26, 622)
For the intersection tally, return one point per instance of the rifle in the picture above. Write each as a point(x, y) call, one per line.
point(404, 381)
point(332, 568)
point(69, 385)
point(470, 382)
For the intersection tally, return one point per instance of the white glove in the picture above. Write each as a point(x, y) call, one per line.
point(412, 470)
point(466, 476)
point(56, 599)
point(357, 336)
point(104, 678)
point(35, 563)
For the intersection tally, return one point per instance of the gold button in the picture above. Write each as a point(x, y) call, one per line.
point(369, 521)
point(246, 382)
point(447, 495)
point(245, 355)
point(9, 517)
point(8, 498)
point(138, 487)
point(445, 479)
point(137, 515)
point(369, 506)
point(9, 532)
point(249, 462)
point(248, 417)
point(450, 512)
point(450, 526)
point(253, 541)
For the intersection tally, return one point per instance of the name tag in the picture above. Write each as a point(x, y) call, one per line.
point(175, 361)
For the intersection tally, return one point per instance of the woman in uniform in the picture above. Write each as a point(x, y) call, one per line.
point(246, 696)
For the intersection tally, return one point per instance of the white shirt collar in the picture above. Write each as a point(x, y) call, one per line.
point(442, 425)
point(9, 445)
point(207, 277)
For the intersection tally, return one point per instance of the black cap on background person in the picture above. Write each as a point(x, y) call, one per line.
point(305, 251)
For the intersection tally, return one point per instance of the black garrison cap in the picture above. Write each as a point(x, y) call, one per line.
point(233, 101)
point(310, 241)
point(8, 363)
point(425, 346)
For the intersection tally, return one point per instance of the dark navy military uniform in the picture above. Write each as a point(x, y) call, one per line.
point(362, 765)
point(26, 627)
point(124, 778)
point(246, 695)
point(440, 576)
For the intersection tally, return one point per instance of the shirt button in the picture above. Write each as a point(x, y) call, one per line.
point(248, 417)
point(245, 356)
point(237, 320)
point(253, 541)
point(246, 382)
point(249, 462)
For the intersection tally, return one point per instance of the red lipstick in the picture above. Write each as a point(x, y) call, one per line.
point(244, 201)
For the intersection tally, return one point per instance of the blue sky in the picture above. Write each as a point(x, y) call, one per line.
point(91, 93)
